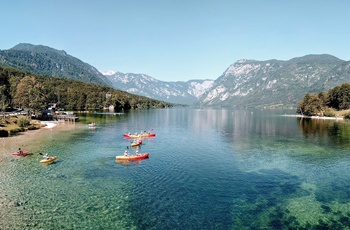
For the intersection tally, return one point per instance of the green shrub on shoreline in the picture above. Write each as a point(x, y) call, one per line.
point(23, 122)
point(4, 133)
point(13, 125)
point(347, 116)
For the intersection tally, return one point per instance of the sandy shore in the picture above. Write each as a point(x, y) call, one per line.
point(33, 140)
point(50, 124)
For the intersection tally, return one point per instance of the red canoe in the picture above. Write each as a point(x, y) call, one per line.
point(144, 135)
point(20, 154)
point(133, 157)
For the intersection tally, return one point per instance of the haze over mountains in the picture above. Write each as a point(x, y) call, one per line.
point(246, 83)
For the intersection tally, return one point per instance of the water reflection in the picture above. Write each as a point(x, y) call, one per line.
point(335, 133)
point(210, 169)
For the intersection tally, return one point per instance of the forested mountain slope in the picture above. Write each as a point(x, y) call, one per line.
point(46, 61)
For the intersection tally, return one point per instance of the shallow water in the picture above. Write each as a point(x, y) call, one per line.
point(208, 169)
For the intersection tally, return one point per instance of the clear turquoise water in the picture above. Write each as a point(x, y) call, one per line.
point(208, 169)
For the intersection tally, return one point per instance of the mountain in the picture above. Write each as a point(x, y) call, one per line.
point(43, 60)
point(273, 83)
point(245, 83)
point(175, 92)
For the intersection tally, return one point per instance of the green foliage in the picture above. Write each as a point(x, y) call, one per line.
point(347, 116)
point(324, 104)
point(339, 97)
point(46, 61)
point(3, 133)
point(16, 130)
point(23, 122)
point(329, 112)
point(311, 105)
point(32, 127)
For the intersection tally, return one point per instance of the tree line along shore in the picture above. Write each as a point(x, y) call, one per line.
point(21, 90)
point(334, 103)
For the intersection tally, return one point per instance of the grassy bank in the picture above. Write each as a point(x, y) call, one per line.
point(10, 126)
point(341, 113)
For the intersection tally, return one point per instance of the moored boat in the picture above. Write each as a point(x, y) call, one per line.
point(133, 157)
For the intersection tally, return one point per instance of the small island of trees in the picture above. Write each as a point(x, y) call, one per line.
point(327, 104)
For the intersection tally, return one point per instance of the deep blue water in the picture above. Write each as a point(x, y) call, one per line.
point(208, 169)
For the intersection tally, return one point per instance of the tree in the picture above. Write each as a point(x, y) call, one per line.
point(339, 97)
point(37, 98)
point(310, 105)
point(21, 97)
point(3, 99)
point(30, 94)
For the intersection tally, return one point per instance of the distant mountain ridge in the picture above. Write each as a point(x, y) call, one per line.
point(245, 83)
point(144, 85)
point(251, 83)
point(43, 60)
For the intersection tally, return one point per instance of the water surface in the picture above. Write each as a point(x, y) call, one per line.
point(208, 169)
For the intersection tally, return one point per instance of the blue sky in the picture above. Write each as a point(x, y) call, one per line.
point(173, 40)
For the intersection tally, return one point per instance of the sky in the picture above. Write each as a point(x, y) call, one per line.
point(178, 40)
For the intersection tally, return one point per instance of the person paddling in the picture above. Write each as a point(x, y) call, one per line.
point(20, 151)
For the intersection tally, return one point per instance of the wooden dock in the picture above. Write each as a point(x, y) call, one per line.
point(69, 118)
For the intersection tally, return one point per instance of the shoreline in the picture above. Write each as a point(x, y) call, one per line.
point(50, 124)
point(32, 140)
point(314, 117)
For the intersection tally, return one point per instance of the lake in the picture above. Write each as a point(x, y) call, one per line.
point(208, 169)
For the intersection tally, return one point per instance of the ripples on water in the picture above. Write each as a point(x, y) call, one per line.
point(208, 169)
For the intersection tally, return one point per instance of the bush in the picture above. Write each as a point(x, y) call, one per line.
point(16, 130)
point(3, 133)
point(32, 127)
point(347, 116)
point(329, 112)
point(23, 122)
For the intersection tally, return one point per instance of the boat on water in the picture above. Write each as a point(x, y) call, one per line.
point(92, 125)
point(21, 154)
point(142, 135)
point(137, 142)
point(133, 157)
point(49, 160)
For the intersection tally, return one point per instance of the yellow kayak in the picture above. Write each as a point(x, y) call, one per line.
point(50, 160)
